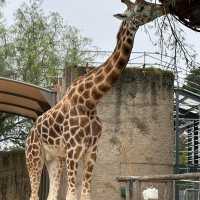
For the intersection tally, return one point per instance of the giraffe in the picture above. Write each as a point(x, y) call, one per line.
point(70, 130)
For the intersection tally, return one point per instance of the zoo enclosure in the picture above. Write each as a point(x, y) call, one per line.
point(186, 103)
point(182, 106)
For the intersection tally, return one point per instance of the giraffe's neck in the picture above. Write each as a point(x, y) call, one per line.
point(89, 89)
point(116, 63)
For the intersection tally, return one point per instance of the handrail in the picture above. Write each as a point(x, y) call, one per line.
point(186, 176)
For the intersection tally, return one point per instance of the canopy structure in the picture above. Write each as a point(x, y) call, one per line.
point(24, 99)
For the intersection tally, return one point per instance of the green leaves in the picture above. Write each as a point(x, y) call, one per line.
point(13, 131)
point(44, 44)
point(35, 49)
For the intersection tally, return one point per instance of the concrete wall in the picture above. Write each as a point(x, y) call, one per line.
point(137, 137)
point(14, 183)
point(14, 180)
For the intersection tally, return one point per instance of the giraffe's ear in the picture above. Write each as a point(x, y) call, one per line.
point(120, 16)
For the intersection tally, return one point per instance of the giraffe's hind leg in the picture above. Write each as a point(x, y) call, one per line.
point(73, 157)
point(34, 162)
point(88, 163)
point(55, 168)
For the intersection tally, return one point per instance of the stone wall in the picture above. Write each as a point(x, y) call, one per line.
point(137, 137)
point(14, 183)
point(14, 180)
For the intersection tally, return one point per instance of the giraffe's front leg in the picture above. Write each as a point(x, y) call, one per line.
point(89, 161)
point(72, 166)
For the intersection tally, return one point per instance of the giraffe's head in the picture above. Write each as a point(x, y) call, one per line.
point(141, 12)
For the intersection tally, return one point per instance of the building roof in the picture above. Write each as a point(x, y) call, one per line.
point(24, 99)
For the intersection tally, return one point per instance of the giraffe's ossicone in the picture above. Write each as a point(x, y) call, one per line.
point(70, 130)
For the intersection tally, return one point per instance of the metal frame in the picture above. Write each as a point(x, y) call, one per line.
point(187, 108)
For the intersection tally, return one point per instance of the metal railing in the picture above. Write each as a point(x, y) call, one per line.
point(191, 194)
point(167, 186)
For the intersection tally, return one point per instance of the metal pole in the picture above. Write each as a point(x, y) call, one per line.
point(198, 136)
point(196, 149)
point(177, 131)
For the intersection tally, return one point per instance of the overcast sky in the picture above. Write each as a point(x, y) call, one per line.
point(95, 20)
